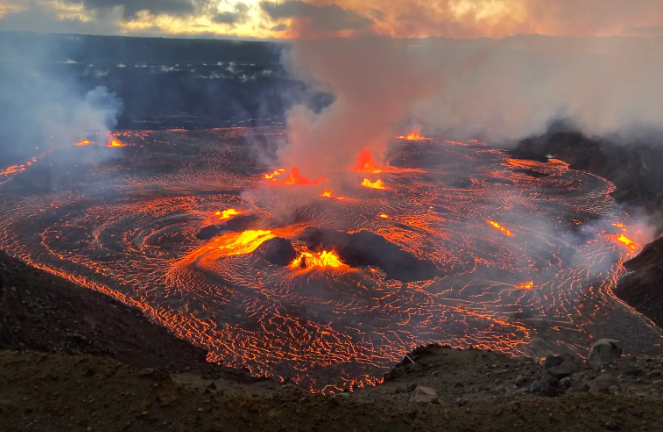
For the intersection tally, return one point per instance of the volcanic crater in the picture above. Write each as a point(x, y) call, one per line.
point(449, 242)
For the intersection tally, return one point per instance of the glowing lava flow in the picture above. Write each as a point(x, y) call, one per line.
point(414, 136)
point(627, 241)
point(244, 242)
point(323, 259)
point(295, 178)
point(383, 216)
point(227, 214)
point(276, 173)
point(83, 143)
point(526, 286)
point(330, 194)
point(500, 227)
point(115, 143)
point(377, 184)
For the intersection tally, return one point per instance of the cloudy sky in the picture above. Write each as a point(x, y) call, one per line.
point(290, 19)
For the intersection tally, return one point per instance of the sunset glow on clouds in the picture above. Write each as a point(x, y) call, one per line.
point(322, 18)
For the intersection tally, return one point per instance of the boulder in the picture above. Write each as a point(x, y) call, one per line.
point(424, 394)
point(547, 386)
point(604, 351)
point(561, 366)
point(277, 251)
point(603, 383)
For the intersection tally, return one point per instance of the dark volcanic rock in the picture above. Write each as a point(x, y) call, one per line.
point(43, 312)
point(641, 287)
point(561, 366)
point(632, 167)
point(531, 173)
point(277, 251)
point(367, 249)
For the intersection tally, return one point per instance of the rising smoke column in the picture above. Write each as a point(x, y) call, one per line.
point(374, 82)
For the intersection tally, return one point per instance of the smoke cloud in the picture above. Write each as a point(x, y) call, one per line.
point(41, 106)
point(497, 90)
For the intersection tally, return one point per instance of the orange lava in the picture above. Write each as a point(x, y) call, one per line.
point(83, 143)
point(526, 286)
point(383, 216)
point(295, 178)
point(414, 136)
point(13, 169)
point(227, 214)
point(627, 241)
point(500, 227)
point(330, 194)
point(377, 184)
point(323, 259)
point(243, 243)
point(276, 173)
point(115, 143)
point(366, 164)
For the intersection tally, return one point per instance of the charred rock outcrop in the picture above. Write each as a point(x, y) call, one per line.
point(277, 251)
point(641, 286)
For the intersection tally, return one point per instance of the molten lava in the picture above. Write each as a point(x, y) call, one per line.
point(295, 178)
point(244, 242)
point(526, 286)
point(115, 143)
point(366, 164)
point(627, 241)
point(500, 227)
point(377, 184)
point(323, 259)
point(276, 173)
point(330, 194)
point(383, 216)
point(414, 136)
point(227, 214)
point(83, 143)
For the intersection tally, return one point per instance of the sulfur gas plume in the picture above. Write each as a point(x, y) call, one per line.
point(496, 90)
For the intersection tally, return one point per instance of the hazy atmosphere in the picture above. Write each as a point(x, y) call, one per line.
point(337, 215)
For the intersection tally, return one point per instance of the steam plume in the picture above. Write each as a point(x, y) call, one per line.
point(498, 90)
point(41, 106)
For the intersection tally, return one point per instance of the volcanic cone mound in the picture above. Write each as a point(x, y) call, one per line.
point(364, 249)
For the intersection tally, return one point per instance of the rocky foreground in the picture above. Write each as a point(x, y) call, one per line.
point(434, 389)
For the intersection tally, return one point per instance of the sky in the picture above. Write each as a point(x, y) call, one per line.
point(291, 19)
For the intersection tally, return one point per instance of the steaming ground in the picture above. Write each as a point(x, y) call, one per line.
point(128, 227)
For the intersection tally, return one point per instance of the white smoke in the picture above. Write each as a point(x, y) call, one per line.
point(41, 106)
point(498, 90)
